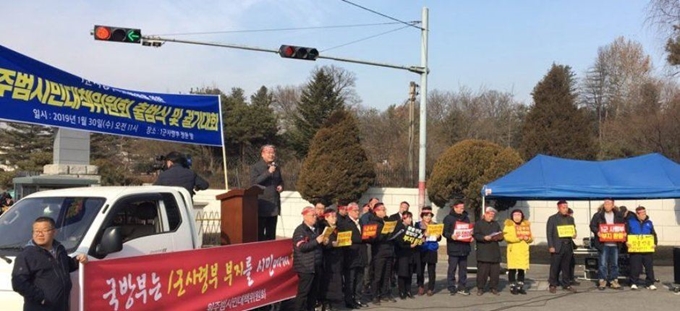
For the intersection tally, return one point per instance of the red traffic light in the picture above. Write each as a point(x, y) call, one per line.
point(298, 52)
point(102, 33)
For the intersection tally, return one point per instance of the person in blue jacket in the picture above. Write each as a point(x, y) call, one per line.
point(640, 225)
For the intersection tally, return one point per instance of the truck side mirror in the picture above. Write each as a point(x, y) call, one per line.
point(112, 241)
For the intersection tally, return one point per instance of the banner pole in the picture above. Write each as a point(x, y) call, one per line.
point(224, 152)
point(81, 287)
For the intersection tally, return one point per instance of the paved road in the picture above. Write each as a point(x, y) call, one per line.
point(538, 298)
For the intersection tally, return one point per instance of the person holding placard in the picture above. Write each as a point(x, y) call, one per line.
point(487, 234)
point(428, 253)
point(641, 227)
point(355, 260)
point(330, 289)
point(307, 259)
point(408, 240)
point(382, 251)
point(517, 233)
point(560, 232)
point(458, 233)
point(604, 225)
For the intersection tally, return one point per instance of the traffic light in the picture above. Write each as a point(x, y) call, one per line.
point(298, 52)
point(117, 34)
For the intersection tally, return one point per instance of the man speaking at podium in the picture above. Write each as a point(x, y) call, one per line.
point(267, 175)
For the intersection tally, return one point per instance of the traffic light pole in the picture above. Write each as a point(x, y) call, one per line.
point(423, 70)
point(424, 33)
point(415, 69)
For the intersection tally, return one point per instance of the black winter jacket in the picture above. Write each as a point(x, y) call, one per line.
point(487, 251)
point(307, 252)
point(37, 275)
point(381, 245)
point(180, 176)
point(453, 247)
point(355, 255)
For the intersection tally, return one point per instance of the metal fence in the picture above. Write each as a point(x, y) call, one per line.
point(209, 227)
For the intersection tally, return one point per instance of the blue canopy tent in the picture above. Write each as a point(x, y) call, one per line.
point(650, 176)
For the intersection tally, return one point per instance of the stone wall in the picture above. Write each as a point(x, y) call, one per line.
point(664, 213)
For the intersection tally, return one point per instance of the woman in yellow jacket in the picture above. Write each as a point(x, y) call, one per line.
point(517, 233)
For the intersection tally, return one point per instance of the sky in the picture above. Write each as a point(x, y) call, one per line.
point(482, 44)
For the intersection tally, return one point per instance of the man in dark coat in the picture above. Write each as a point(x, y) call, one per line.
point(487, 234)
point(331, 282)
point(307, 260)
point(41, 271)
point(179, 174)
point(267, 175)
point(458, 248)
point(355, 260)
point(382, 251)
point(403, 207)
point(561, 248)
point(607, 214)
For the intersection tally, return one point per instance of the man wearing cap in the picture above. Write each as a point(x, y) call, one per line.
point(487, 234)
point(609, 214)
point(639, 225)
point(458, 248)
point(355, 260)
point(307, 260)
point(561, 248)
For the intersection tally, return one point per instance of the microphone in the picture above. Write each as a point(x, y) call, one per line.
point(273, 164)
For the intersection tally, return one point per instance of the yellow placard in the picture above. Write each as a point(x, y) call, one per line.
point(344, 238)
point(566, 231)
point(328, 231)
point(435, 229)
point(389, 227)
point(640, 243)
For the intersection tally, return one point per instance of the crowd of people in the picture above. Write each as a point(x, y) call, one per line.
point(355, 256)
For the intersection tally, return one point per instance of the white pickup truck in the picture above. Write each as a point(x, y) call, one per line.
point(102, 222)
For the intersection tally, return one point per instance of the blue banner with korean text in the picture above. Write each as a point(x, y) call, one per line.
point(37, 93)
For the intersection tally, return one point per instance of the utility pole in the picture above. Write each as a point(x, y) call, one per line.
point(424, 33)
point(412, 92)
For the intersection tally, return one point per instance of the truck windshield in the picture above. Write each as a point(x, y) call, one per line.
point(72, 215)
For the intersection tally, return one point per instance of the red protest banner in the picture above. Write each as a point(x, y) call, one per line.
point(612, 233)
point(234, 277)
point(523, 231)
point(462, 231)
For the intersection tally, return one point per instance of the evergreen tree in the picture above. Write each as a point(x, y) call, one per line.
point(555, 125)
point(462, 170)
point(26, 147)
point(320, 98)
point(336, 166)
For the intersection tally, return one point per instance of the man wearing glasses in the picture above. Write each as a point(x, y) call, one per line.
point(41, 271)
point(641, 225)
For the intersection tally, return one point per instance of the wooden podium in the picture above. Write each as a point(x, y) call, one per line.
point(239, 215)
